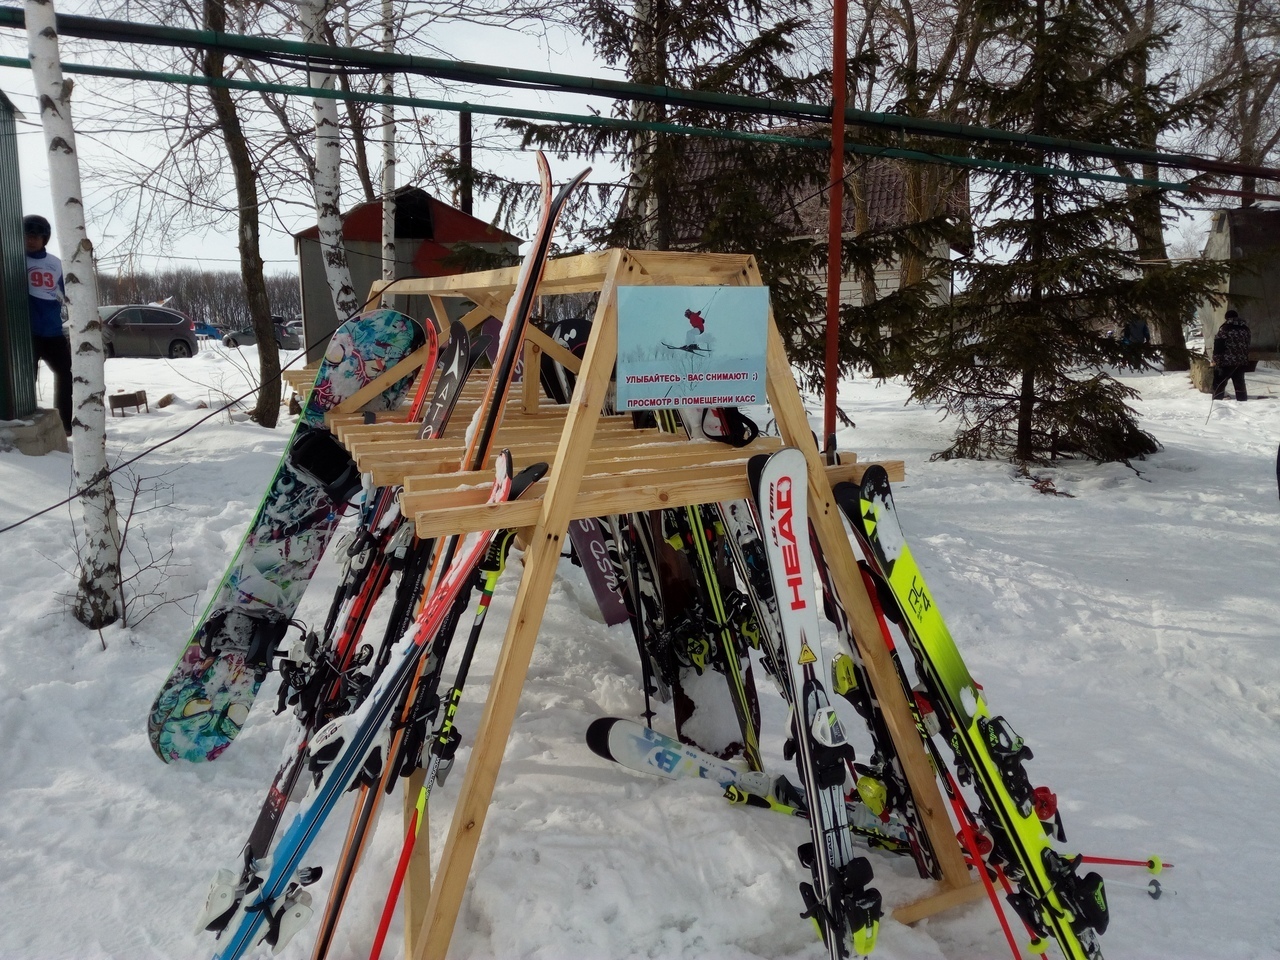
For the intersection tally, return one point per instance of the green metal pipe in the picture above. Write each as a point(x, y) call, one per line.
point(311, 54)
point(616, 123)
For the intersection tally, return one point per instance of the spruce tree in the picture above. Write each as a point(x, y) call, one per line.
point(1022, 353)
point(683, 192)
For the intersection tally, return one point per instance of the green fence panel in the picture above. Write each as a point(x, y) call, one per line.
point(17, 364)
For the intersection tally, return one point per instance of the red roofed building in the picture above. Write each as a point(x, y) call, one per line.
point(427, 232)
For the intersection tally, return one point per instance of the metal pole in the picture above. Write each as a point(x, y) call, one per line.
point(835, 216)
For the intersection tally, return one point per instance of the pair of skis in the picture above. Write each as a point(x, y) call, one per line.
point(1050, 897)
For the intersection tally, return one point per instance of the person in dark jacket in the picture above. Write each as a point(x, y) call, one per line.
point(1230, 354)
point(1136, 331)
point(45, 292)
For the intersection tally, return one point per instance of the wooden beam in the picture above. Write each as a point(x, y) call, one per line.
point(949, 897)
point(540, 562)
point(793, 424)
point(381, 382)
point(462, 508)
point(557, 352)
point(417, 877)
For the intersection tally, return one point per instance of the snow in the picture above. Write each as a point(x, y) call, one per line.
point(1125, 629)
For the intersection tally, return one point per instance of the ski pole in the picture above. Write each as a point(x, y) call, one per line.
point(1153, 888)
point(445, 740)
point(1153, 864)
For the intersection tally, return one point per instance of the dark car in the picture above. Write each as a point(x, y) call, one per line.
point(144, 330)
point(286, 339)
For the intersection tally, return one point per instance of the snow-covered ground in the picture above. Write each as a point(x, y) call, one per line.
point(1127, 629)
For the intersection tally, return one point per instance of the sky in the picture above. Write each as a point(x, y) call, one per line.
point(551, 49)
point(543, 50)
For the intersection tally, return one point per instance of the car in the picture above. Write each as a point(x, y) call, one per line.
point(146, 330)
point(207, 329)
point(286, 339)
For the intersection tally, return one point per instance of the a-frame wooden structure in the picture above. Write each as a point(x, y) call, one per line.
point(600, 466)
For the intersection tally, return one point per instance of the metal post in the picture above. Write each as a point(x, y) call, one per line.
point(835, 219)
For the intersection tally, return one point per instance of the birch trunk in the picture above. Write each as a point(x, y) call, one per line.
point(328, 160)
point(98, 600)
point(642, 195)
point(388, 153)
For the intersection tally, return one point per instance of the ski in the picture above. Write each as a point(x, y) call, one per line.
point(644, 750)
point(705, 636)
point(421, 701)
point(270, 892)
point(445, 741)
point(320, 678)
point(1051, 898)
point(844, 907)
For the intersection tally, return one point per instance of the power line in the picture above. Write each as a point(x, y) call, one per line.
point(622, 123)
point(97, 479)
point(313, 57)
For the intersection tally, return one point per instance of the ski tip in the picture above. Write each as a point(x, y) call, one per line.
point(598, 736)
point(875, 477)
point(527, 477)
point(755, 468)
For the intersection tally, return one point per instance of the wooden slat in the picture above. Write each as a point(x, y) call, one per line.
point(518, 439)
point(427, 471)
point(515, 430)
point(301, 379)
point(462, 509)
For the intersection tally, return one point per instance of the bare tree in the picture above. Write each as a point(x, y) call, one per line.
point(98, 601)
point(327, 185)
point(267, 411)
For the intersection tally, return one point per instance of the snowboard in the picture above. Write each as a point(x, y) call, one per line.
point(206, 698)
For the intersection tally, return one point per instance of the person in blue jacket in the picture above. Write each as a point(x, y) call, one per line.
point(45, 292)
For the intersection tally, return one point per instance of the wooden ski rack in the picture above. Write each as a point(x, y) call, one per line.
point(600, 465)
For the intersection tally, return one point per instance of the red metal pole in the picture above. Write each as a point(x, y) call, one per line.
point(835, 218)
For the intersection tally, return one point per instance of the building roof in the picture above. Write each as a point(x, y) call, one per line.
point(805, 210)
point(419, 216)
point(6, 102)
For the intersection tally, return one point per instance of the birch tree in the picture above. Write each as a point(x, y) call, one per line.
point(327, 184)
point(389, 150)
point(98, 601)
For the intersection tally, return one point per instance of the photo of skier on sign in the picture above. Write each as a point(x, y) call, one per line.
point(691, 346)
point(697, 327)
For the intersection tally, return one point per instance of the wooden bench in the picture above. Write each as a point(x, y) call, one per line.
point(136, 399)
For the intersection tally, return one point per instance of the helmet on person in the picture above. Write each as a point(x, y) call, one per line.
point(1231, 315)
point(36, 226)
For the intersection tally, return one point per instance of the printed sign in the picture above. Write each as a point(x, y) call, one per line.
point(691, 346)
